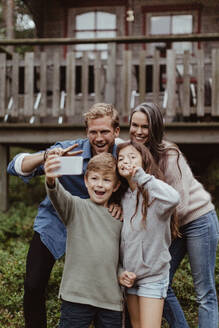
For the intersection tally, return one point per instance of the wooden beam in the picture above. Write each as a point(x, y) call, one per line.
point(44, 134)
point(122, 39)
point(3, 178)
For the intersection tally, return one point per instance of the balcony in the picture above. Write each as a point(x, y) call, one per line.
point(44, 94)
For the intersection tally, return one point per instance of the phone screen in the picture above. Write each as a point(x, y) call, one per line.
point(70, 165)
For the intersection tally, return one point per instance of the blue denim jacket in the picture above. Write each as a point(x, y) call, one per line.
point(47, 223)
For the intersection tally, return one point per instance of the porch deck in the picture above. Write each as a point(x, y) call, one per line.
point(43, 97)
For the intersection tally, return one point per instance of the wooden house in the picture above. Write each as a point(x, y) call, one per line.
point(118, 51)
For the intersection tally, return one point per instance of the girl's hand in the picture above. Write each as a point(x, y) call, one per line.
point(134, 170)
point(131, 169)
point(127, 279)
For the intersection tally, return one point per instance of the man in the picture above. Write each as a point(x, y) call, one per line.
point(48, 243)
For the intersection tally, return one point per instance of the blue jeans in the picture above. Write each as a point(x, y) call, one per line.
point(75, 315)
point(199, 240)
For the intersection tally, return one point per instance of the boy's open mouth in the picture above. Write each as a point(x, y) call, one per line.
point(99, 193)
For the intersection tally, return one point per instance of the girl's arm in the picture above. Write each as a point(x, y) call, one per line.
point(157, 189)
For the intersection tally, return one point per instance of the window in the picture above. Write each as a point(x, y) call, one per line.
point(94, 24)
point(169, 25)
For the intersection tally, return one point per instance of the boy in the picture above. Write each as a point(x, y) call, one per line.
point(89, 288)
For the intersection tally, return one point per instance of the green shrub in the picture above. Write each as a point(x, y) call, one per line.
point(17, 222)
point(12, 272)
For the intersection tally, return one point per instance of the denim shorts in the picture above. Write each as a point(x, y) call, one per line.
point(156, 289)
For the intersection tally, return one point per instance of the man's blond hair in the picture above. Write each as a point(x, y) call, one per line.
point(100, 110)
point(104, 162)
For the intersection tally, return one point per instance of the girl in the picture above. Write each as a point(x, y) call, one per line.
point(197, 218)
point(148, 204)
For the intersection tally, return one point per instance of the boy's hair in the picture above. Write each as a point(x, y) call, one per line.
point(104, 162)
point(100, 110)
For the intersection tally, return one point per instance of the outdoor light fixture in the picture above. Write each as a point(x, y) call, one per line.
point(130, 12)
point(130, 15)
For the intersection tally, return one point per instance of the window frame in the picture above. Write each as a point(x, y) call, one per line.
point(168, 10)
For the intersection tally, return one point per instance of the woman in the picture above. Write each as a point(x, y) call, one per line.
point(197, 218)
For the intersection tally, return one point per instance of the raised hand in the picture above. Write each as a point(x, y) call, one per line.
point(63, 151)
point(51, 164)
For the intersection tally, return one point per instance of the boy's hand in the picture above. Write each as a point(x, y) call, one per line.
point(116, 211)
point(127, 279)
point(52, 163)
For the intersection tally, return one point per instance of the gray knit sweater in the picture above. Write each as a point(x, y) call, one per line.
point(92, 251)
point(145, 250)
point(195, 201)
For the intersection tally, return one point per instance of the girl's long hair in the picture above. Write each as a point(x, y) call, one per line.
point(149, 166)
point(159, 148)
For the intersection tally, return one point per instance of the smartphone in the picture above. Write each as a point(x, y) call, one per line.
point(70, 165)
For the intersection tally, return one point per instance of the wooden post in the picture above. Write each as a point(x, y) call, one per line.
point(3, 178)
point(126, 82)
point(29, 76)
point(2, 83)
point(9, 20)
point(186, 85)
point(97, 78)
point(156, 77)
point(201, 84)
point(70, 84)
point(110, 94)
point(85, 81)
point(43, 84)
point(171, 85)
point(142, 76)
point(15, 84)
point(56, 82)
point(215, 82)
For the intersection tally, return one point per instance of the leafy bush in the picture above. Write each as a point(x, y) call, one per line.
point(12, 271)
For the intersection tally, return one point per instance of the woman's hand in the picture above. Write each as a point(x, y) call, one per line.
point(127, 279)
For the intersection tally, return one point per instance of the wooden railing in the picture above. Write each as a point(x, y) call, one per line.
point(37, 88)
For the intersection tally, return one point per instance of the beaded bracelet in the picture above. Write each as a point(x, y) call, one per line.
point(45, 155)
